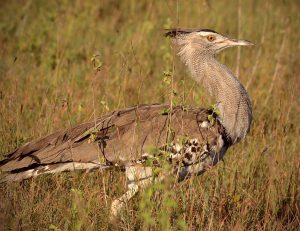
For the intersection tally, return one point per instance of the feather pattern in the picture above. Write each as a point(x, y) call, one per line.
point(119, 138)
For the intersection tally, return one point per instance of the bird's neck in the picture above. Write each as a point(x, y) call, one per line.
point(233, 102)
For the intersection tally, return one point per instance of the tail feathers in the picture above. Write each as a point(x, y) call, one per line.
point(50, 169)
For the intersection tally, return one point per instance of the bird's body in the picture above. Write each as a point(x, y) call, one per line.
point(122, 138)
point(144, 137)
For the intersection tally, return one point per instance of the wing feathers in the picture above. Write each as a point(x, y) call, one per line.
point(119, 137)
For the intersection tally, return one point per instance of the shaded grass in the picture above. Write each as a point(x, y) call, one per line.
point(48, 82)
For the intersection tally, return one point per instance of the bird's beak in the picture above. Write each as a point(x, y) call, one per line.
point(227, 42)
point(237, 42)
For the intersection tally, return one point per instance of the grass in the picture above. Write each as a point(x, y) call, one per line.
point(48, 82)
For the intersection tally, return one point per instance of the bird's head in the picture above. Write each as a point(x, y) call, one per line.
point(203, 40)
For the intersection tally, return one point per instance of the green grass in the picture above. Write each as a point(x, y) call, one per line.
point(48, 82)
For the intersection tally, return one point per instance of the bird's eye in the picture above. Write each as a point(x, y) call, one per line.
point(211, 38)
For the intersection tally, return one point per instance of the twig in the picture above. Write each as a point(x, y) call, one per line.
point(238, 55)
point(277, 68)
point(258, 54)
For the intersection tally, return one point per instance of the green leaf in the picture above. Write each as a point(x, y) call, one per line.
point(53, 227)
point(151, 149)
point(167, 73)
point(165, 111)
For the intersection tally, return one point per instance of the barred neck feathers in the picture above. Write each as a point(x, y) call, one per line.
point(231, 97)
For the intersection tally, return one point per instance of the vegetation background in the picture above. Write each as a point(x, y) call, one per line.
point(50, 51)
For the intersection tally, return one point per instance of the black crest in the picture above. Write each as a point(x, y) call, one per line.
point(181, 31)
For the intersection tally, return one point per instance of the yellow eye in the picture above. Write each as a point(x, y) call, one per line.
point(211, 38)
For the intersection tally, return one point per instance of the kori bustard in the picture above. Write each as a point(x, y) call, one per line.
point(190, 140)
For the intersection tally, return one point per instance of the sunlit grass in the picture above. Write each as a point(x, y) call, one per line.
point(48, 82)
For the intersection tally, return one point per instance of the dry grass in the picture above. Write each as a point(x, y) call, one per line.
point(47, 82)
